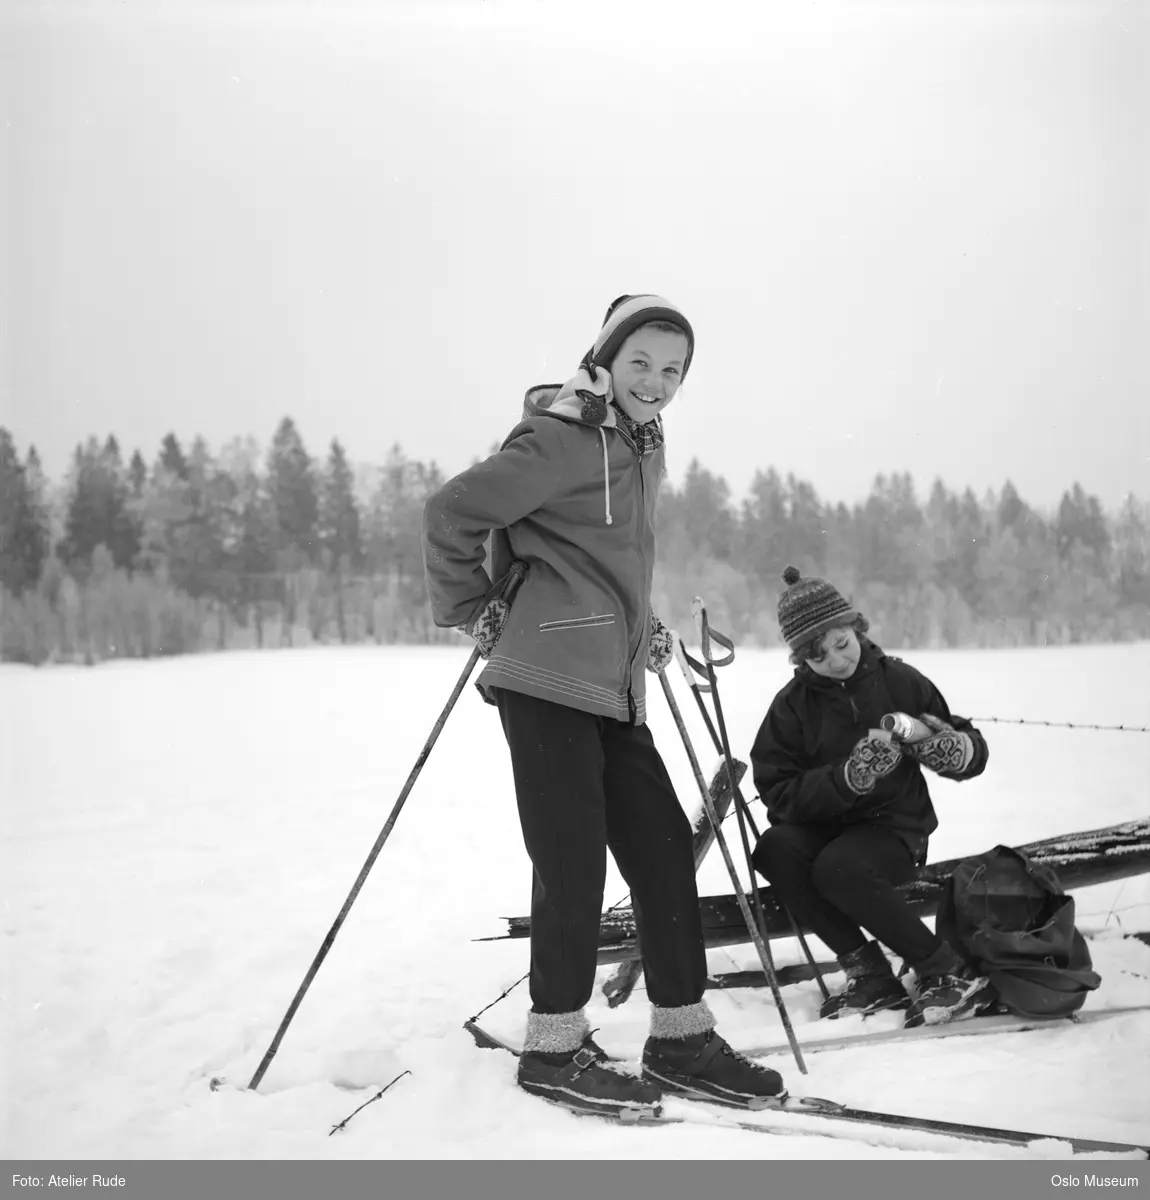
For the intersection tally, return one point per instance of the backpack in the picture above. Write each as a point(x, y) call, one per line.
point(1012, 921)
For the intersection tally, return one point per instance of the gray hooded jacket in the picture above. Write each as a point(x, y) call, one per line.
point(568, 495)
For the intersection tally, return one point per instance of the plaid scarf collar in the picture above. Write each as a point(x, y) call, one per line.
point(647, 437)
point(587, 398)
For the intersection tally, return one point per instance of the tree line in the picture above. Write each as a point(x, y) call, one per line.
point(200, 551)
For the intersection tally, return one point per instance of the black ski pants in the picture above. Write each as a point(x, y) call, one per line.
point(584, 784)
point(841, 880)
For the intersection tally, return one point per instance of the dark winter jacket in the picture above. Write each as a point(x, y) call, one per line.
point(569, 495)
point(813, 724)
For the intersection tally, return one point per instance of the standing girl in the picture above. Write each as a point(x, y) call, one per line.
point(571, 494)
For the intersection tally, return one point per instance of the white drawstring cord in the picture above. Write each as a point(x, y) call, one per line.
point(606, 477)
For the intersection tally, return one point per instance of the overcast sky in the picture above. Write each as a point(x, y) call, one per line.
point(909, 236)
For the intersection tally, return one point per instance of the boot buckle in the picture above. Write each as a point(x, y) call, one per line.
point(584, 1057)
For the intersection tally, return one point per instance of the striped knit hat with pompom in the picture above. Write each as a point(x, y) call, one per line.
point(628, 313)
point(809, 607)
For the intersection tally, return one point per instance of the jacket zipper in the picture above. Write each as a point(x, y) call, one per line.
point(632, 710)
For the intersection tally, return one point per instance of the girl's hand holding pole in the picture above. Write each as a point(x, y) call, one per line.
point(660, 646)
point(487, 627)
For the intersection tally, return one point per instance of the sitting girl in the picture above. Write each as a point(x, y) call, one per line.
point(849, 809)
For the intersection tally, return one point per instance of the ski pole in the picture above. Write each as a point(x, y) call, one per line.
point(722, 745)
point(506, 589)
point(721, 841)
point(691, 668)
point(758, 923)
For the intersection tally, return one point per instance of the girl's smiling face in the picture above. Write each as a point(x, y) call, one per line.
point(647, 371)
point(837, 654)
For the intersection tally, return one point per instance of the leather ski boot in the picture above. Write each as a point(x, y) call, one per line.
point(947, 988)
point(871, 985)
point(703, 1066)
point(581, 1081)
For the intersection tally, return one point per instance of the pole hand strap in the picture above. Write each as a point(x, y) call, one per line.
point(707, 635)
point(687, 664)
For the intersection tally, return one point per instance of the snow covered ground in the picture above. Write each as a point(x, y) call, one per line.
point(180, 835)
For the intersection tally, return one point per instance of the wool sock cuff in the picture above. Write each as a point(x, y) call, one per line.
point(555, 1033)
point(684, 1022)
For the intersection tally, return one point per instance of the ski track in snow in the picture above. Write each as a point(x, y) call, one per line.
point(181, 834)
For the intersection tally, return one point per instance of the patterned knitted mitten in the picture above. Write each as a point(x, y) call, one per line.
point(489, 625)
point(948, 751)
point(660, 646)
point(872, 758)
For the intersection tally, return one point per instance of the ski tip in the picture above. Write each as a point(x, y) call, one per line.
point(483, 1039)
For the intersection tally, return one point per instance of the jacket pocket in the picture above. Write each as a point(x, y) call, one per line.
point(576, 623)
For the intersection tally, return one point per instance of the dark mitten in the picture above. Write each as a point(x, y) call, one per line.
point(874, 757)
point(487, 627)
point(660, 646)
point(947, 751)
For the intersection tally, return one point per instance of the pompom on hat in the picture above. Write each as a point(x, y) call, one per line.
point(628, 313)
point(809, 607)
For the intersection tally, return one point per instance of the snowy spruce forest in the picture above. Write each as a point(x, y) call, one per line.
point(190, 549)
